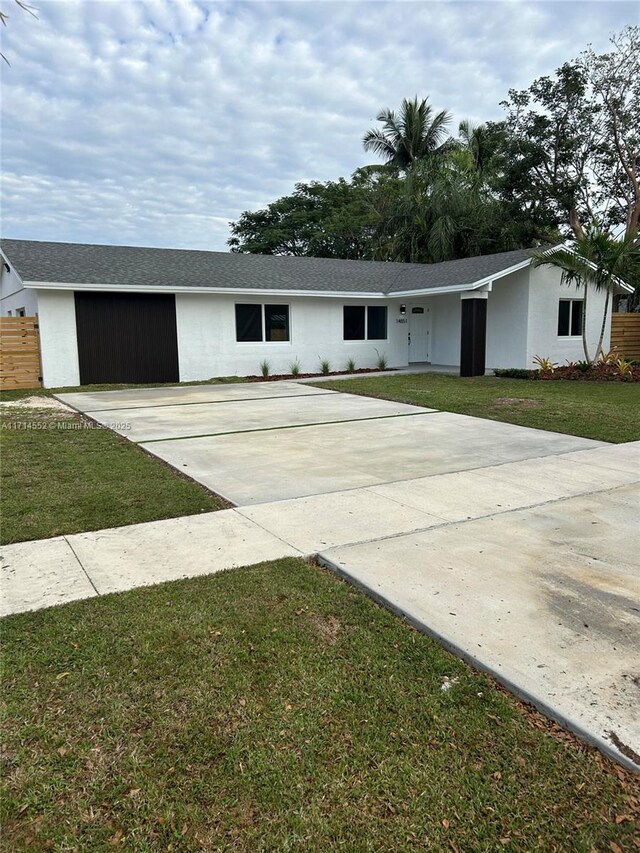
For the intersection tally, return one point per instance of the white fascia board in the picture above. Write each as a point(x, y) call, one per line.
point(221, 291)
point(6, 260)
point(458, 288)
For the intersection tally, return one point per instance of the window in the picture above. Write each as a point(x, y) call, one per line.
point(365, 323)
point(20, 312)
point(377, 323)
point(276, 322)
point(353, 322)
point(257, 323)
point(570, 318)
point(248, 323)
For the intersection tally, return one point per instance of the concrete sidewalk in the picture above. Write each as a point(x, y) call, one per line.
point(529, 569)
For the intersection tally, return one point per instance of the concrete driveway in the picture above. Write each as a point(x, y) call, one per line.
point(259, 442)
point(517, 548)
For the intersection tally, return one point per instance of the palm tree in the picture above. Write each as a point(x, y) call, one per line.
point(415, 133)
point(478, 142)
point(597, 259)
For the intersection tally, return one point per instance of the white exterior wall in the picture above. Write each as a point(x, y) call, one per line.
point(507, 312)
point(58, 343)
point(546, 290)
point(207, 345)
point(445, 329)
point(13, 295)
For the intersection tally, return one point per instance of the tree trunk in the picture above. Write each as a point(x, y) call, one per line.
point(575, 224)
point(585, 346)
point(599, 351)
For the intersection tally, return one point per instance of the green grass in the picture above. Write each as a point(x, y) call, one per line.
point(607, 411)
point(57, 478)
point(275, 708)
point(21, 393)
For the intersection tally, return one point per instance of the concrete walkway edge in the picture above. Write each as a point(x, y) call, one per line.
point(545, 708)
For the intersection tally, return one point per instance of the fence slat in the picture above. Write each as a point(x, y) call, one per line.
point(625, 334)
point(19, 353)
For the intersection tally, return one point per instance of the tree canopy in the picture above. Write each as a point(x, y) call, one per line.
point(563, 161)
point(414, 133)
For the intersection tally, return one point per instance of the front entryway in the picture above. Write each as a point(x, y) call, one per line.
point(419, 333)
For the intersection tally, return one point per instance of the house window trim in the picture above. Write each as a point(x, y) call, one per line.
point(569, 336)
point(263, 327)
point(366, 339)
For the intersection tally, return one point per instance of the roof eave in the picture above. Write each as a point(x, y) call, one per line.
point(471, 285)
point(221, 291)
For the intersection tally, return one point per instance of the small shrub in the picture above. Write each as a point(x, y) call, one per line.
point(515, 373)
point(382, 362)
point(625, 368)
point(265, 368)
point(325, 367)
point(294, 368)
point(351, 365)
point(610, 357)
point(545, 364)
point(583, 366)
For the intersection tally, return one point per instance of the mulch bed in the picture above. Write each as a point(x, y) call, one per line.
point(280, 376)
point(595, 373)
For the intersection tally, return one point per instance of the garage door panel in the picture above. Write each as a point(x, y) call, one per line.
point(126, 337)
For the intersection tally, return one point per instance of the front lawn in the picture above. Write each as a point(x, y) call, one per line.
point(607, 411)
point(277, 708)
point(61, 474)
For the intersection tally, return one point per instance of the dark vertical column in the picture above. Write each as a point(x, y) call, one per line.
point(473, 337)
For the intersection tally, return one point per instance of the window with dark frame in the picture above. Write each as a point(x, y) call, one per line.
point(257, 323)
point(570, 317)
point(377, 323)
point(362, 322)
point(248, 323)
point(353, 322)
point(276, 322)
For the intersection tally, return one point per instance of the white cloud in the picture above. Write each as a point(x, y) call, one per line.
point(157, 121)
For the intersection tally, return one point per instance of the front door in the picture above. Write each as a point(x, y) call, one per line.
point(419, 333)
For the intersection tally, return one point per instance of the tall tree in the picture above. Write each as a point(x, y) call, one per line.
point(414, 133)
point(326, 220)
point(572, 141)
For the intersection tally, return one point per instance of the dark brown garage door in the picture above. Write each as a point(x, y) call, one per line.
point(126, 337)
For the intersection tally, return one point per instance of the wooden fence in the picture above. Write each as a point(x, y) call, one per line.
point(19, 353)
point(625, 334)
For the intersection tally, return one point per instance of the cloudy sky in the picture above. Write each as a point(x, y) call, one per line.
point(156, 122)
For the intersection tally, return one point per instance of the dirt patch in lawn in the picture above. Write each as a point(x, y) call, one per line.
point(328, 628)
point(36, 403)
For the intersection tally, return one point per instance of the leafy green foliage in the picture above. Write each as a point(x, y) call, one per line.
point(265, 368)
point(572, 141)
point(325, 366)
point(382, 362)
point(515, 373)
point(415, 133)
point(323, 220)
point(294, 368)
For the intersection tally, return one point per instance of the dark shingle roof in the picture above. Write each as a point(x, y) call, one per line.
point(79, 263)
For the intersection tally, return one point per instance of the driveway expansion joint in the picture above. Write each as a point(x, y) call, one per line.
point(86, 573)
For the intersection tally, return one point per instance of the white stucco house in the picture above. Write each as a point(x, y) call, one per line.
point(130, 314)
